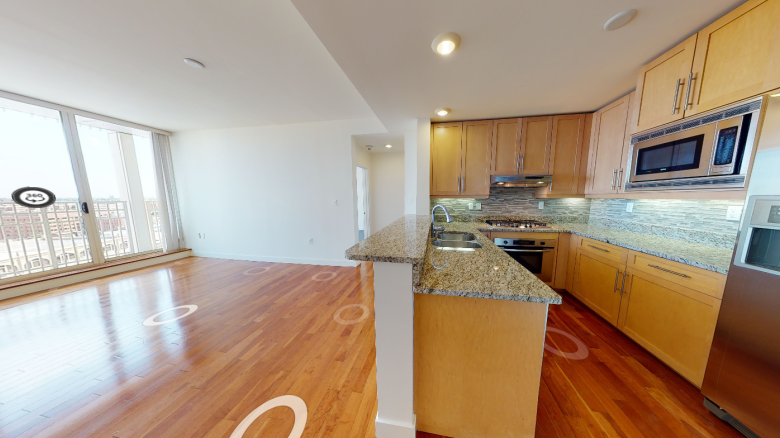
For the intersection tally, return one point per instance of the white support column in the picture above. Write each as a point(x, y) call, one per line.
point(423, 166)
point(394, 318)
point(133, 190)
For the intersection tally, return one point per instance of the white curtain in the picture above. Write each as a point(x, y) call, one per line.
point(170, 221)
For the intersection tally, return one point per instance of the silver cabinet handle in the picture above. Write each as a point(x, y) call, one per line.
point(676, 94)
point(522, 162)
point(669, 271)
point(688, 93)
point(525, 250)
point(517, 163)
point(458, 184)
point(623, 286)
point(620, 176)
point(600, 249)
point(612, 185)
point(617, 275)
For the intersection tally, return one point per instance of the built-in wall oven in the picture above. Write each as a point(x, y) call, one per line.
point(535, 254)
point(708, 151)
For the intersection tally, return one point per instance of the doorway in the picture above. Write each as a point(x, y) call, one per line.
point(362, 202)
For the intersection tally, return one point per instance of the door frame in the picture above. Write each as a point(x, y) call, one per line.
point(366, 202)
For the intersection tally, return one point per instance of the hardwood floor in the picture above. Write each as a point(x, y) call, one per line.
point(78, 362)
point(618, 390)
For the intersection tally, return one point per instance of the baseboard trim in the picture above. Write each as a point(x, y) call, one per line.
point(391, 429)
point(66, 280)
point(260, 258)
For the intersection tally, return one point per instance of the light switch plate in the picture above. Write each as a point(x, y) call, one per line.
point(478, 206)
point(734, 213)
point(541, 205)
point(629, 207)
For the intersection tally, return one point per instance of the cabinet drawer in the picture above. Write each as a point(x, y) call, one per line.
point(607, 250)
point(702, 280)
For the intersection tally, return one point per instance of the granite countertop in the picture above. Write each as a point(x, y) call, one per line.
point(693, 254)
point(486, 272)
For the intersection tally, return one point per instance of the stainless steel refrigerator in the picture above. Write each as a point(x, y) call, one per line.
point(742, 380)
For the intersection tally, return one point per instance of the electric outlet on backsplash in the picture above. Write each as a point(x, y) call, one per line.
point(697, 221)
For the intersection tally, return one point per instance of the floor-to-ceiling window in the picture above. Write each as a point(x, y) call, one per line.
point(74, 190)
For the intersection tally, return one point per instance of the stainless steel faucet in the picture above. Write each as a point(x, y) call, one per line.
point(440, 228)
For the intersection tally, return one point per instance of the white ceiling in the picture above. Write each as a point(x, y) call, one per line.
point(517, 57)
point(379, 142)
point(264, 64)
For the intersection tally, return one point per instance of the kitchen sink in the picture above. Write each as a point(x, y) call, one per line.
point(456, 245)
point(462, 237)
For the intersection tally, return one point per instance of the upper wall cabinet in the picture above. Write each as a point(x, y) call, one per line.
point(446, 159)
point(535, 145)
point(460, 159)
point(568, 156)
point(506, 147)
point(737, 56)
point(606, 166)
point(662, 84)
point(732, 59)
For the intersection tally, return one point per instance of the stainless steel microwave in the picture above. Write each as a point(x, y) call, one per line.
point(708, 151)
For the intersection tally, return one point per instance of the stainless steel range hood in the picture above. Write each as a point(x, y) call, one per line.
point(520, 180)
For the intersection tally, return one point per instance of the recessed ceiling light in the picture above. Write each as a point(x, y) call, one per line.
point(388, 146)
point(443, 111)
point(445, 43)
point(193, 63)
point(620, 20)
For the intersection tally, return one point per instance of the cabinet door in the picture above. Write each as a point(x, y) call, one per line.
point(566, 153)
point(673, 322)
point(597, 283)
point(662, 84)
point(475, 179)
point(445, 159)
point(737, 56)
point(606, 150)
point(535, 143)
point(506, 147)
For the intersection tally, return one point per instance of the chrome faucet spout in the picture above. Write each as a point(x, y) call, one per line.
point(434, 229)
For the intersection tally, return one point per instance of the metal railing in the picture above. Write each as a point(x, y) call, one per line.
point(37, 240)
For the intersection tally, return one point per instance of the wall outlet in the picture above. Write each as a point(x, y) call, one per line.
point(478, 206)
point(541, 205)
point(629, 207)
point(335, 202)
point(475, 206)
point(311, 240)
point(734, 213)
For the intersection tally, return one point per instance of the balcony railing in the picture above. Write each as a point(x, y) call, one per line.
point(37, 240)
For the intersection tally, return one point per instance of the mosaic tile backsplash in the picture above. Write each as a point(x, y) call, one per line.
point(697, 221)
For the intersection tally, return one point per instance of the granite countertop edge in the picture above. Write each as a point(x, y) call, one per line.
point(489, 295)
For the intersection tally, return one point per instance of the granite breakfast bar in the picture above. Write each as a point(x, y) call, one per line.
point(459, 346)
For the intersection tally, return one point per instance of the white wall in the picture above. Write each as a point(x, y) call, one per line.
point(260, 193)
point(386, 189)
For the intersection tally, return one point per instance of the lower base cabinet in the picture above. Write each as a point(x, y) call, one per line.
point(668, 308)
point(596, 284)
point(673, 322)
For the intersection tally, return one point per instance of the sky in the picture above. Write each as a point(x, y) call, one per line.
point(33, 152)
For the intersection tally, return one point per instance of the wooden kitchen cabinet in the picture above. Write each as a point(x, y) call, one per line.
point(535, 145)
point(446, 159)
point(606, 159)
point(597, 281)
point(460, 159)
point(568, 156)
point(737, 56)
point(506, 147)
point(661, 87)
point(475, 156)
point(673, 322)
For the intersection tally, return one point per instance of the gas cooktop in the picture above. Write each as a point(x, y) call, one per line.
point(517, 224)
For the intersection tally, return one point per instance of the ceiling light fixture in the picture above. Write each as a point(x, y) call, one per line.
point(620, 20)
point(443, 111)
point(388, 146)
point(193, 63)
point(445, 43)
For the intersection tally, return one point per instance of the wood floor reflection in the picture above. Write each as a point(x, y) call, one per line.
point(78, 362)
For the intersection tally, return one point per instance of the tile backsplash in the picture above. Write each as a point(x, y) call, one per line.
point(690, 220)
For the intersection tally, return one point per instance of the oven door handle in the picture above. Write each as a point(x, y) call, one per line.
point(525, 250)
